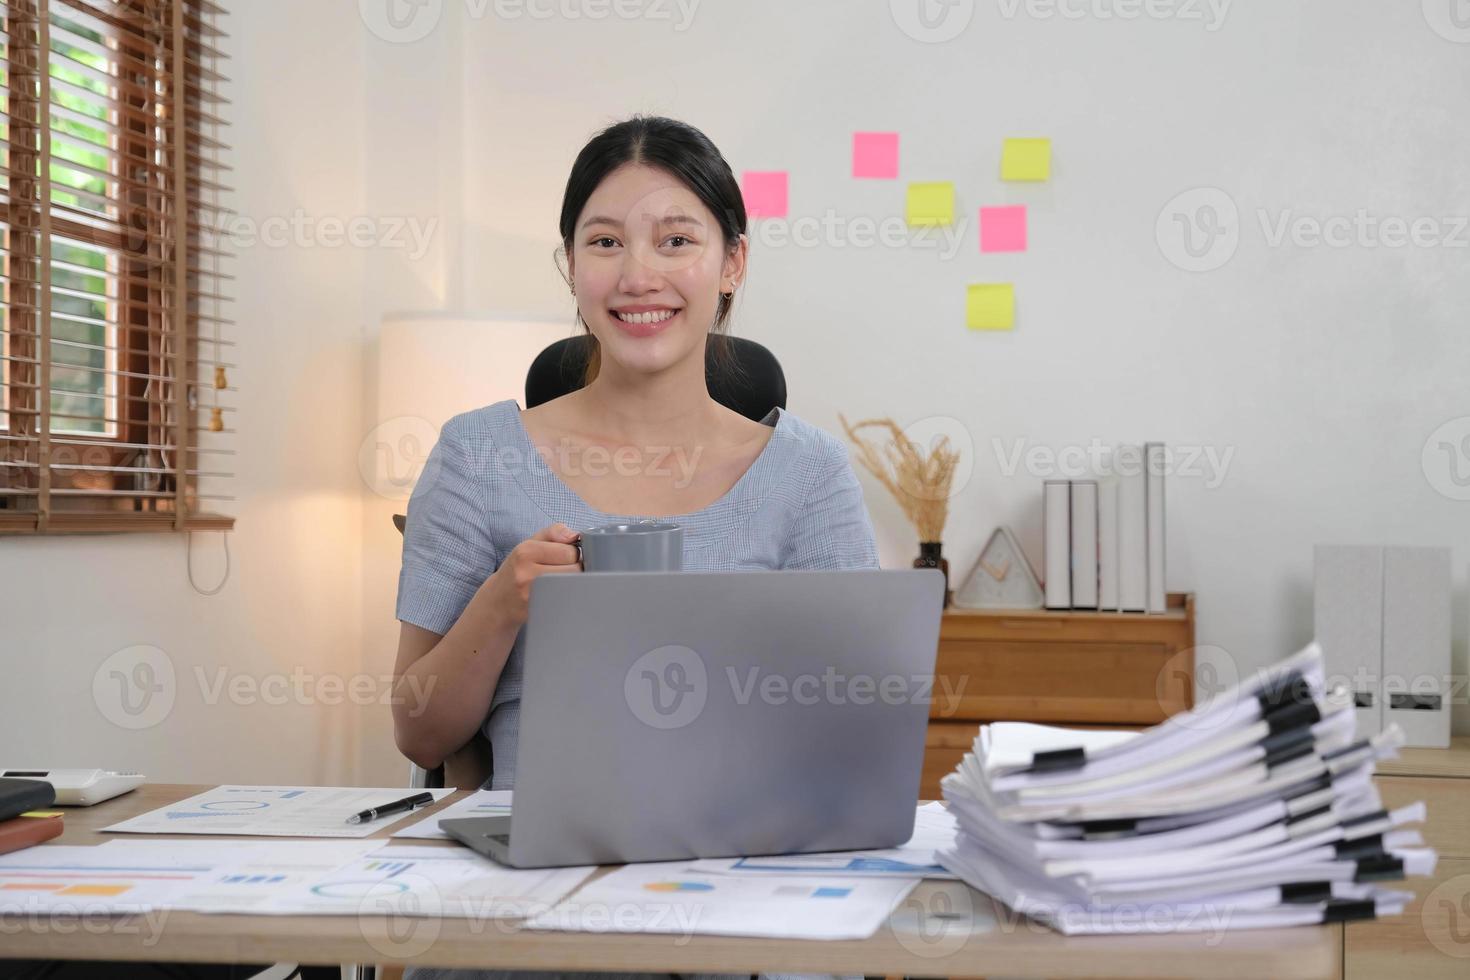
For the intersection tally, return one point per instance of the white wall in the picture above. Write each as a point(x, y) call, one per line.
point(1322, 370)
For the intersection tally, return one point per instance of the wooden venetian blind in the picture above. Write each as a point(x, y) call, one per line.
point(115, 393)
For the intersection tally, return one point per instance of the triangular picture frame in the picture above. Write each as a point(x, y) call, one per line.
point(1002, 577)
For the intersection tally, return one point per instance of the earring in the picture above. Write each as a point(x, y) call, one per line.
point(573, 287)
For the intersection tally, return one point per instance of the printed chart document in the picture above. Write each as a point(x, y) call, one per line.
point(276, 878)
point(273, 811)
point(138, 876)
point(673, 898)
point(430, 881)
point(242, 876)
point(61, 878)
point(934, 828)
point(481, 803)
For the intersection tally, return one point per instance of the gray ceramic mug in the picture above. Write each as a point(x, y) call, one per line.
point(644, 546)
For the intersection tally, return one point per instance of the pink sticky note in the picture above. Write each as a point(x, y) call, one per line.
point(875, 155)
point(1003, 229)
point(764, 192)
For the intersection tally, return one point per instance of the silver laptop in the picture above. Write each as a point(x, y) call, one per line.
point(673, 715)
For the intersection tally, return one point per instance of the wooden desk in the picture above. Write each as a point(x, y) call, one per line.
point(983, 941)
point(1429, 941)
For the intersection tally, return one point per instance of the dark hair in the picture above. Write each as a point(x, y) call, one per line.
point(681, 151)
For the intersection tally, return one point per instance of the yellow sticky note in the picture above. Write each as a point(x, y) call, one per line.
point(931, 204)
point(42, 813)
point(990, 306)
point(1026, 159)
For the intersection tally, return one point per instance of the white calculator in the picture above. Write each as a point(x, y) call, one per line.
point(82, 787)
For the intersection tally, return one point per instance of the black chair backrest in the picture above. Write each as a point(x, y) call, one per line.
point(756, 387)
point(753, 389)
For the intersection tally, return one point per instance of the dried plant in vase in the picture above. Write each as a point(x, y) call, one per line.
point(919, 482)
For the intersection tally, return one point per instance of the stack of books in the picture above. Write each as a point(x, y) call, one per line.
point(1255, 809)
point(1103, 539)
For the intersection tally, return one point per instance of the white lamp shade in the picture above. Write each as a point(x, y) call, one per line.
point(433, 367)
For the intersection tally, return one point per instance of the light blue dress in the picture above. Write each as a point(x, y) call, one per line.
point(485, 488)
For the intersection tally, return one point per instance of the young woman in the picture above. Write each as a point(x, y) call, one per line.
point(653, 229)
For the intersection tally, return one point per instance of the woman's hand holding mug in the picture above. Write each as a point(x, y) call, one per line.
point(550, 550)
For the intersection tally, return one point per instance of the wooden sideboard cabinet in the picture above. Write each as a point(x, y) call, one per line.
point(1064, 667)
point(1432, 938)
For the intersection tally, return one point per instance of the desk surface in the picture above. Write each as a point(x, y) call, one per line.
point(942, 929)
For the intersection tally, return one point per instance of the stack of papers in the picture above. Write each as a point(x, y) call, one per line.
point(1255, 809)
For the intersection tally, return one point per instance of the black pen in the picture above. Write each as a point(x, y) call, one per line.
point(397, 806)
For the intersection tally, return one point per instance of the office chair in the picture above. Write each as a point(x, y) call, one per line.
point(752, 386)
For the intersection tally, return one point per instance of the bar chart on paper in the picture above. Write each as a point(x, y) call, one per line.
point(672, 898)
point(482, 803)
point(79, 880)
point(934, 828)
point(431, 881)
point(128, 875)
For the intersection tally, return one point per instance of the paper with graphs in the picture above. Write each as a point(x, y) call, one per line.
point(481, 803)
point(430, 881)
point(671, 897)
point(131, 875)
point(934, 828)
point(273, 811)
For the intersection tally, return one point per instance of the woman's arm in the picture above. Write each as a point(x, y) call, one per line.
point(443, 684)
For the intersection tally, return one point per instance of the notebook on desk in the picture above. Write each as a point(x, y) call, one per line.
point(19, 795)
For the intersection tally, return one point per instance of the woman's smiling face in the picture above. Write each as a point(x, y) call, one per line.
point(649, 262)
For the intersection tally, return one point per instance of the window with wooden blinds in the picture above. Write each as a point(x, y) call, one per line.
point(115, 388)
